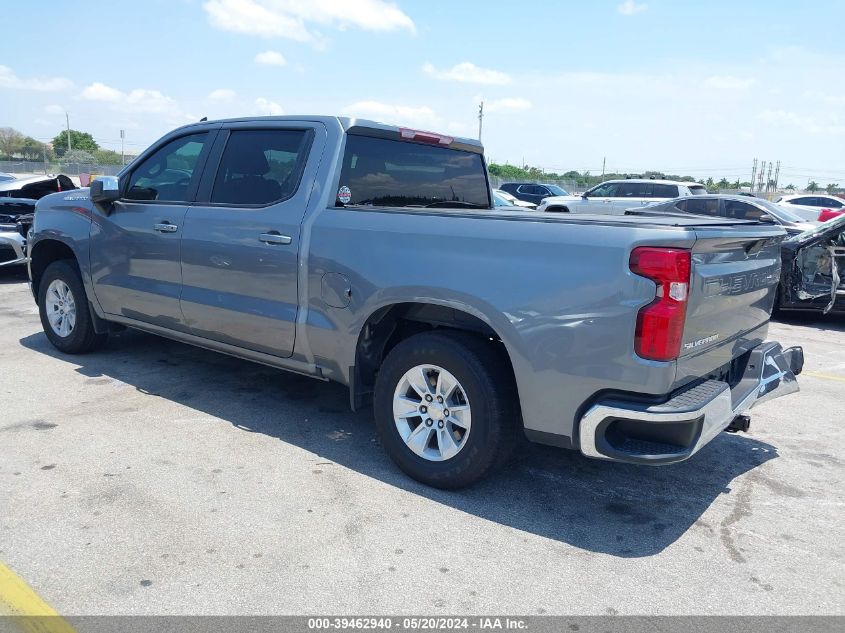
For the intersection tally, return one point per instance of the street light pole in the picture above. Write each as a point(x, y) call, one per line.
point(67, 120)
point(480, 118)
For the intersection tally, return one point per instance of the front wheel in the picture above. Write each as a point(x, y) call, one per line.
point(63, 307)
point(446, 408)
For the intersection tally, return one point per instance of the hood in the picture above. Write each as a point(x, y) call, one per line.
point(562, 199)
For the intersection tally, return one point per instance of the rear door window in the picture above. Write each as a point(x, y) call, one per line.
point(393, 173)
point(698, 190)
point(742, 210)
point(699, 206)
point(261, 167)
point(664, 191)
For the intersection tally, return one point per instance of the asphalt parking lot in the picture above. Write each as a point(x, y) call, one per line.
point(152, 477)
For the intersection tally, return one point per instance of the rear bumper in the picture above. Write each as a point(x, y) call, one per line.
point(12, 248)
point(642, 433)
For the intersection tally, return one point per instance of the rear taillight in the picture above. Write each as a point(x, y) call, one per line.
point(660, 324)
point(828, 214)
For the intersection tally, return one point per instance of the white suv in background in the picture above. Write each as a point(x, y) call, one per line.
point(614, 196)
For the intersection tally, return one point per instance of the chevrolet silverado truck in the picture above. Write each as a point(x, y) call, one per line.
point(371, 255)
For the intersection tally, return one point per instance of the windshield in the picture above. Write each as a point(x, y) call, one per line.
point(779, 212)
point(838, 222)
point(393, 173)
point(556, 191)
point(500, 201)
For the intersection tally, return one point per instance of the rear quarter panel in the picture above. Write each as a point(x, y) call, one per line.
point(558, 293)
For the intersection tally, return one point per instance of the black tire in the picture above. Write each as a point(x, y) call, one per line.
point(485, 377)
point(82, 338)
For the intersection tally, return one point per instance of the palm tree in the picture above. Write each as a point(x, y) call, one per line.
point(832, 187)
point(790, 187)
point(812, 186)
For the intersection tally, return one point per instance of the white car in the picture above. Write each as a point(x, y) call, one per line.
point(614, 196)
point(809, 205)
point(513, 200)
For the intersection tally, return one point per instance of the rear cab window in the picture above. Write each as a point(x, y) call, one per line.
point(384, 172)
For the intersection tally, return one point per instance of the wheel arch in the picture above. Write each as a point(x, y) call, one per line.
point(390, 324)
point(45, 252)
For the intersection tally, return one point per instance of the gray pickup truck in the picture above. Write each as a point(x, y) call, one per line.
point(370, 255)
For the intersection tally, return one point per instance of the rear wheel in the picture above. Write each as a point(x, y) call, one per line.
point(446, 408)
point(63, 307)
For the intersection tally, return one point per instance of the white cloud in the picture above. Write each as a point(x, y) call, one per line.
point(139, 100)
point(54, 109)
point(415, 116)
point(629, 7)
point(221, 95)
point(8, 79)
point(270, 58)
point(292, 19)
point(508, 104)
point(267, 107)
point(467, 72)
point(805, 123)
point(729, 82)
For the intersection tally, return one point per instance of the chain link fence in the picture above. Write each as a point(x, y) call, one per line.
point(69, 169)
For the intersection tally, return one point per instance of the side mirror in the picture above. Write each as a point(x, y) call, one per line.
point(104, 191)
point(585, 195)
point(766, 219)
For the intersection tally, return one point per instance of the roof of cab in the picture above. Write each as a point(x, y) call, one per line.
point(347, 124)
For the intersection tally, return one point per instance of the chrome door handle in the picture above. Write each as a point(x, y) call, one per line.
point(165, 227)
point(274, 238)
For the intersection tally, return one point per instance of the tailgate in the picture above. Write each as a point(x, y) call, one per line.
point(734, 279)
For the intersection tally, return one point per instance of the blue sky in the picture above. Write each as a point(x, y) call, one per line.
point(679, 86)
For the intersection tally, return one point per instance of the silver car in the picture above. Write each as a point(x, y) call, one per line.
point(734, 207)
point(614, 196)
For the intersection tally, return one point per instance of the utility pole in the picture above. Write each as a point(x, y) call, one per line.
point(769, 178)
point(67, 120)
point(761, 175)
point(122, 152)
point(777, 176)
point(480, 118)
point(753, 174)
point(603, 161)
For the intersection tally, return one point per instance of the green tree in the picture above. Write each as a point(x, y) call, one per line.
point(79, 156)
point(711, 186)
point(10, 141)
point(78, 140)
point(34, 150)
point(723, 183)
point(832, 187)
point(812, 186)
point(790, 187)
point(107, 157)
